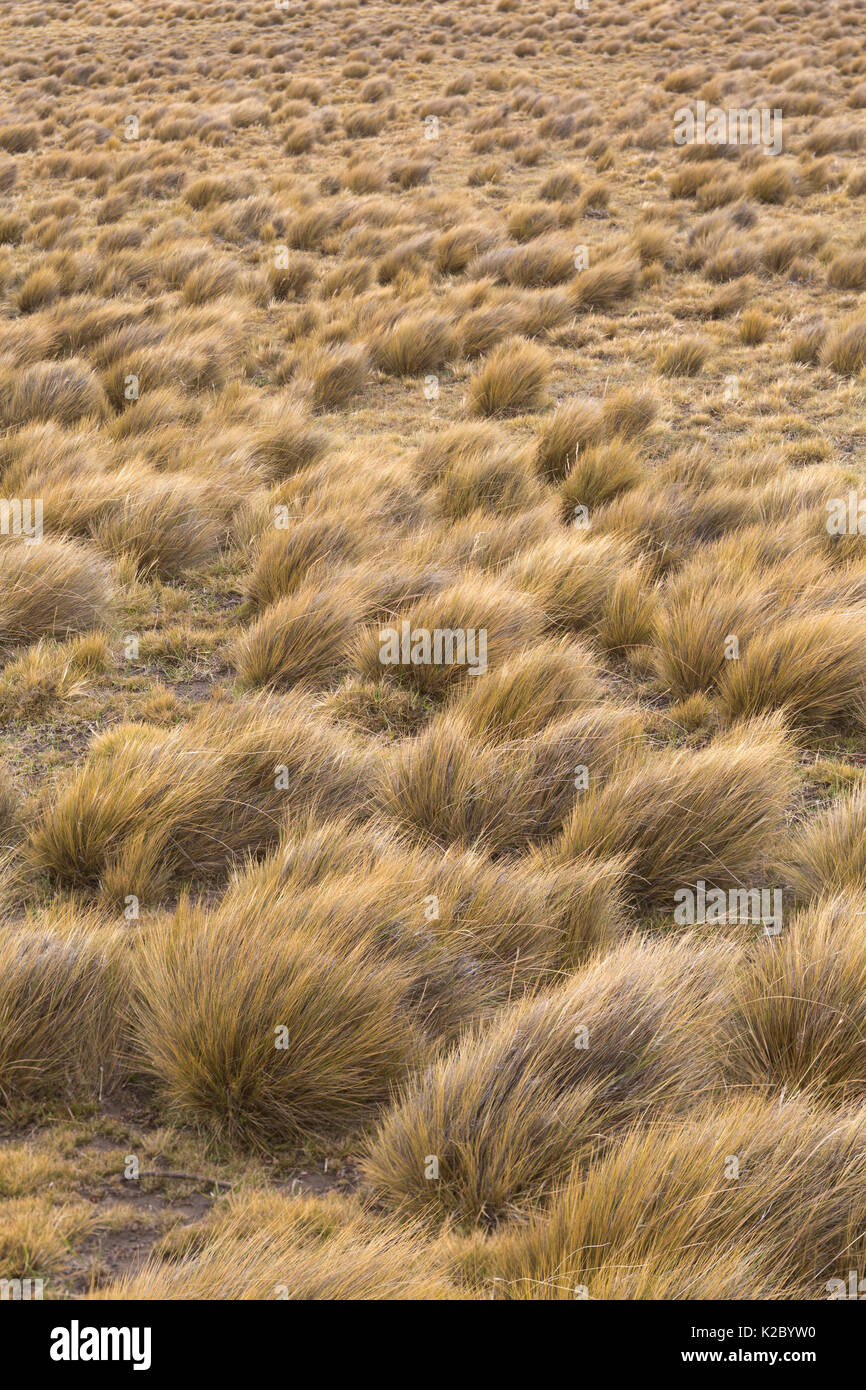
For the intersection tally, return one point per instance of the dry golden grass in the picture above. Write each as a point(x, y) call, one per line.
point(450, 786)
point(61, 998)
point(327, 1249)
point(569, 429)
point(324, 325)
point(147, 805)
point(258, 1033)
point(683, 358)
point(682, 817)
point(793, 1021)
point(512, 379)
point(506, 1112)
point(827, 854)
point(50, 588)
point(813, 667)
point(667, 1215)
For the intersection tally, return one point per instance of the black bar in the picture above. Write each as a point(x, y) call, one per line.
point(645, 1339)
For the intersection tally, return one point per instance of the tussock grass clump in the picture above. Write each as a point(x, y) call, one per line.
point(629, 611)
point(413, 344)
point(50, 588)
point(812, 666)
point(512, 379)
point(685, 79)
point(165, 530)
point(528, 922)
point(692, 178)
point(209, 281)
point(12, 227)
point(38, 1233)
point(445, 973)
point(848, 272)
point(668, 520)
point(827, 854)
point(284, 442)
point(149, 804)
point(782, 250)
point(510, 619)
point(522, 696)
point(659, 1217)
point(606, 285)
point(807, 344)
point(482, 329)
point(335, 375)
point(407, 173)
point(584, 907)
point(499, 925)
point(284, 557)
point(571, 578)
point(653, 245)
point(59, 391)
point(60, 984)
point(773, 182)
point(831, 136)
point(9, 799)
point(304, 636)
point(291, 281)
point(524, 921)
point(754, 327)
point(19, 138)
point(510, 1108)
point(42, 286)
point(732, 261)
point(500, 478)
point(702, 610)
point(538, 265)
point(718, 193)
point(211, 1002)
point(441, 450)
point(560, 186)
point(46, 673)
point(450, 786)
point(561, 437)
point(364, 177)
point(445, 787)
point(599, 473)
point(684, 816)
point(569, 752)
point(208, 190)
point(686, 357)
point(312, 228)
point(456, 248)
point(794, 1023)
point(526, 221)
point(628, 413)
point(844, 347)
point(197, 361)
